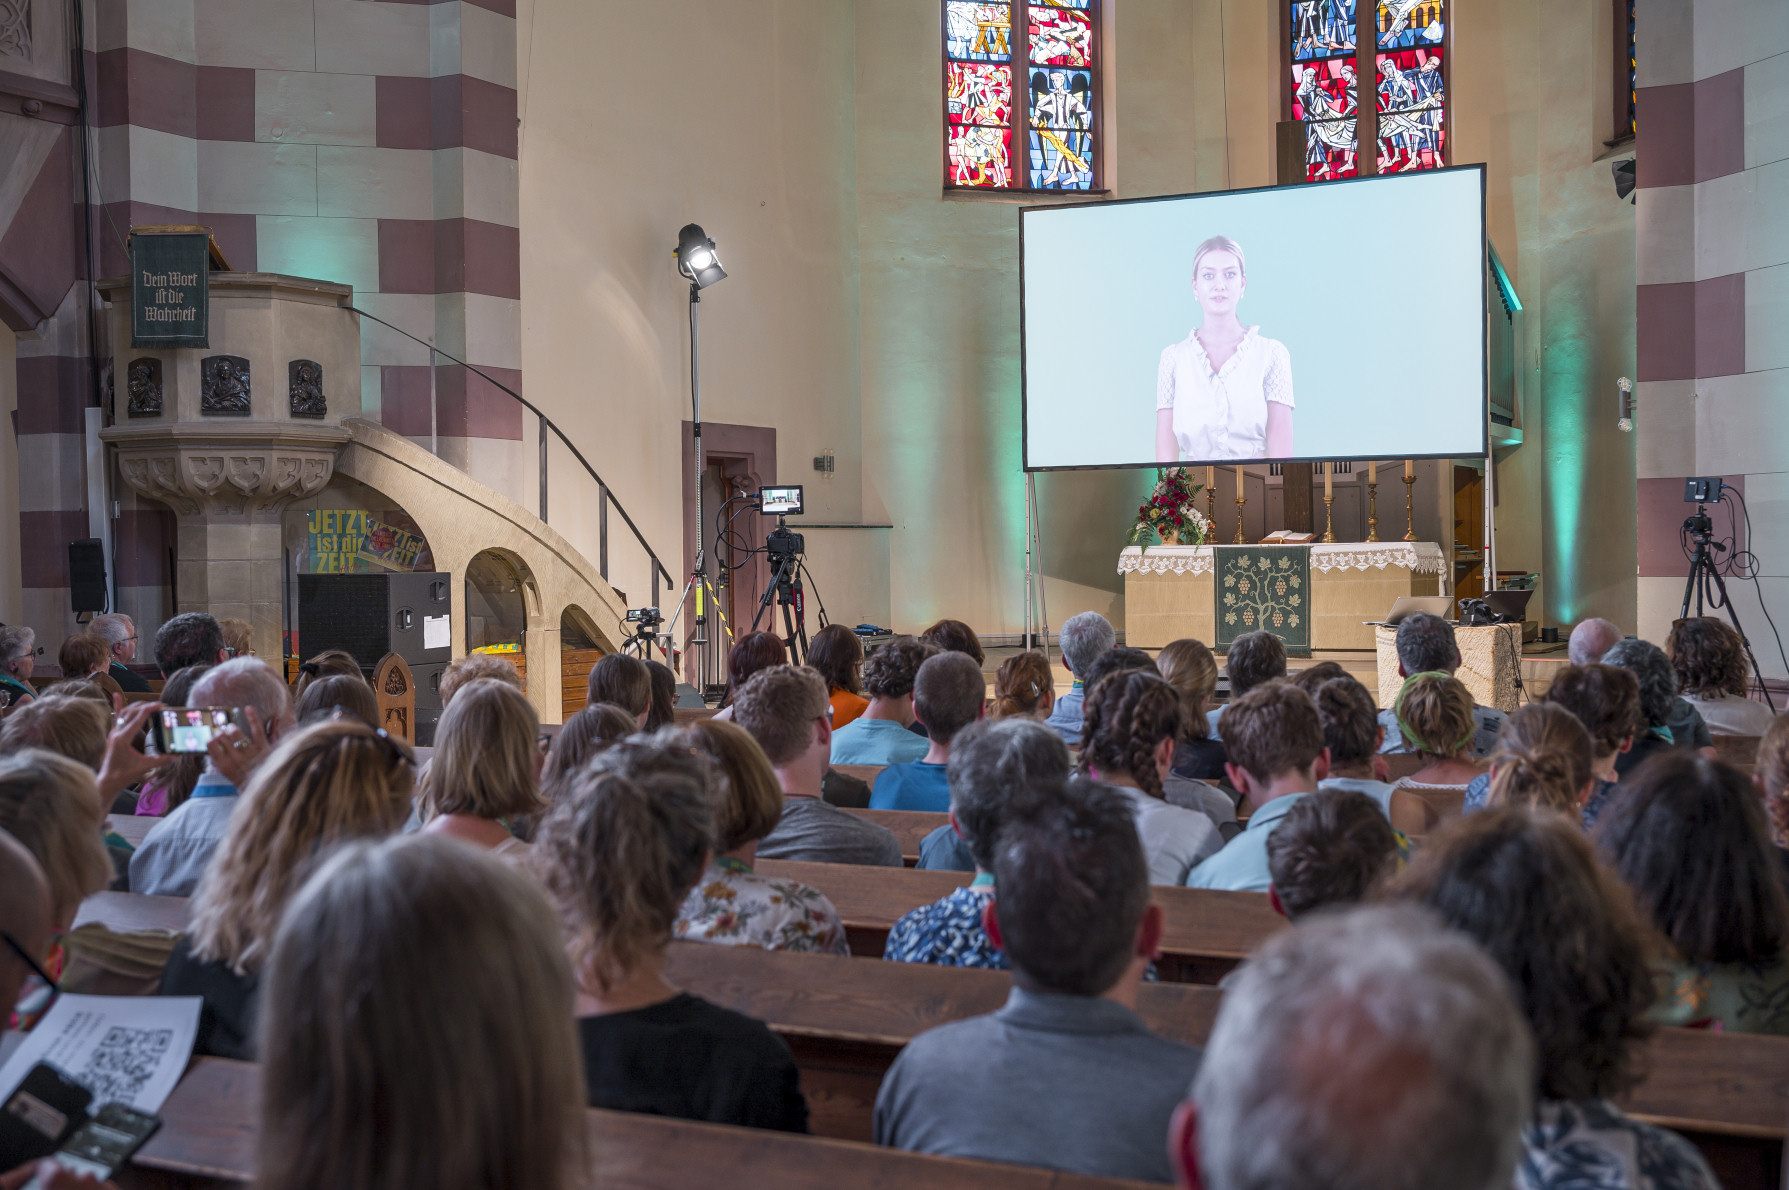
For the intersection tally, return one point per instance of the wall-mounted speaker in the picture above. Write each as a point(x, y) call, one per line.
point(87, 575)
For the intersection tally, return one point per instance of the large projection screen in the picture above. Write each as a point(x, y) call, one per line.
point(1346, 320)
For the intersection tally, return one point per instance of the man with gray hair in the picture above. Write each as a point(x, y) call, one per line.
point(1084, 639)
point(1426, 644)
point(1590, 640)
point(1370, 1050)
point(1670, 722)
point(177, 850)
point(120, 634)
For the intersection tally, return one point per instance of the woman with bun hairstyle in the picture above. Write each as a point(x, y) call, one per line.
point(1024, 687)
point(1544, 758)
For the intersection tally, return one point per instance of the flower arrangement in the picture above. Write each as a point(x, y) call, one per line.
point(1171, 514)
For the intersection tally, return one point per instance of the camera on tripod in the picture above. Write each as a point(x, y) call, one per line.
point(644, 619)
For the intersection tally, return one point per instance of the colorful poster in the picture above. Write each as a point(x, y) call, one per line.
point(351, 540)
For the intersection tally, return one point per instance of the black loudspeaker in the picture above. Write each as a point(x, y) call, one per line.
point(87, 575)
point(370, 615)
point(428, 700)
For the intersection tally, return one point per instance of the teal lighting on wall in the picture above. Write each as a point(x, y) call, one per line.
point(1566, 384)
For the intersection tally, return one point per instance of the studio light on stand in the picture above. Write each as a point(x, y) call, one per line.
point(700, 264)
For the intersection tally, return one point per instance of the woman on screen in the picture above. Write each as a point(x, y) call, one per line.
point(1223, 393)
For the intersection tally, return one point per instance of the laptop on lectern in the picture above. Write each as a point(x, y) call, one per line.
point(1408, 605)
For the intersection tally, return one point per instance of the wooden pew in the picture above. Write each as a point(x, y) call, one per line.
point(1206, 933)
point(1740, 751)
point(207, 1140)
point(867, 773)
point(131, 827)
point(909, 826)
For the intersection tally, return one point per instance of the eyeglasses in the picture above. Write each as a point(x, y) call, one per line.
point(25, 957)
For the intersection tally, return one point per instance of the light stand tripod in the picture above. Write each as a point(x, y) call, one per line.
point(1704, 572)
point(698, 574)
point(785, 549)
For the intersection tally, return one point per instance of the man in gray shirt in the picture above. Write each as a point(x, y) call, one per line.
point(1084, 638)
point(786, 709)
point(1067, 1075)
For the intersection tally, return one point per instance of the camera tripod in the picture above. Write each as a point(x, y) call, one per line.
point(785, 550)
point(1705, 573)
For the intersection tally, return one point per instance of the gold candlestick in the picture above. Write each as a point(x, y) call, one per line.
point(1409, 514)
point(1211, 502)
point(1372, 512)
point(1329, 532)
point(1239, 539)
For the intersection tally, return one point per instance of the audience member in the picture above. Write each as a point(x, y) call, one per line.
point(120, 635)
point(1606, 701)
point(1659, 702)
point(1590, 640)
point(337, 663)
point(995, 768)
point(83, 656)
point(51, 804)
point(954, 636)
point(750, 653)
point(1330, 850)
point(1710, 658)
point(167, 789)
point(474, 667)
point(1352, 733)
point(327, 697)
point(25, 922)
point(1066, 1075)
point(837, 654)
point(1426, 644)
point(731, 904)
point(239, 637)
point(1692, 842)
point(1189, 667)
point(784, 708)
point(880, 735)
point(1437, 721)
point(1544, 759)
point(949, 693)
point(1526, 886)
point(1083, 639)
point(190, 638)
point(1131, 726)
point(1311, 677)
point(324, 784)
point(595, 728)
point(18, 658)
point(1252, 659)
point(663, 711)
point(622, 681)
point(417, 1030)
point(1118, 659)
point(1023, 687)
point(61, 723)
point(1371, 1050)
point(619, 854)
point(1277, 758)
point(178, 849)
point(1771, 776)
point(485, 769)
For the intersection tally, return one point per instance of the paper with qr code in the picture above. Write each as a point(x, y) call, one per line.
point(125, 1049)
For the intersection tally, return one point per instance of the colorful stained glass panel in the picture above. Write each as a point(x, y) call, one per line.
point(1060, 37)
point(1324, 90)
point(978, 93)
point(1412, 108)
point(1408, 24)
point(978, 32)
point(1322, 29)
point(1062, 99)
point(1331, 150)
point(981, 156)
point(1060, 159)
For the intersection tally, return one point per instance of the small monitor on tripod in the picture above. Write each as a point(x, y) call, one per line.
point(780, 501)
point(1702, 489)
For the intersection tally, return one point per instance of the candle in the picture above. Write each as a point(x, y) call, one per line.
point(1211, 480)
point(1373, 472)
point(1409, 468)
point(1239, 483)
point(1329, 481)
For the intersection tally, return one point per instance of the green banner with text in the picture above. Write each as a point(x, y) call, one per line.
point(170, 289)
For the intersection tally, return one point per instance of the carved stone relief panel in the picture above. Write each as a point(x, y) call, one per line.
point(305, 379)
point(15, 29)
point(144, 383)
point(224, 386)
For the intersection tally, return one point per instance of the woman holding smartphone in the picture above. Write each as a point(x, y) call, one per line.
point(1223, 393)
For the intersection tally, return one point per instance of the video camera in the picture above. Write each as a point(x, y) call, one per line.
point(647, 618)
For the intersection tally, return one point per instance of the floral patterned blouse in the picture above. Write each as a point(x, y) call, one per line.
point(948, 932)
point(1736, 997)
point(1590, 1145)
point(735, 906)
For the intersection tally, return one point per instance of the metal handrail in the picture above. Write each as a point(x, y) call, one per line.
point(547, 423)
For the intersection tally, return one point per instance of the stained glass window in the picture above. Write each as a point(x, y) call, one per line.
point(1404, 125)
point(1022, 79)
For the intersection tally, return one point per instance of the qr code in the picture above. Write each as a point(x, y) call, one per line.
point(123, 1061)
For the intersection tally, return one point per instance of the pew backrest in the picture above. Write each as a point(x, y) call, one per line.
point(909, 826)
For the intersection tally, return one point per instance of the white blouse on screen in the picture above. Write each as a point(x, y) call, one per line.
point(1222, 415)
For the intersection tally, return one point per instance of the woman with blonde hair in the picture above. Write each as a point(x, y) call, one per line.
point(62, 722)
point(1188, 666)
point(1024, 687)
point(239, 637)
point(618, 853)
point(1544, 758)
point(328, 783)
point(418, 1030)
point(84, 656)
point(338, 694)
point(732, 905)
point(329, 661)
point(593, 729)
point(485, 770)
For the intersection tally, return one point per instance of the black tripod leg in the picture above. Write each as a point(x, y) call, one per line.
point(1720, 585)
point(797, 655)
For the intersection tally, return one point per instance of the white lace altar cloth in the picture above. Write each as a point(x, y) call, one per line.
point(1420, 557)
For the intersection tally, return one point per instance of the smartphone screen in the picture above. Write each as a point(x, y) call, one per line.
point(104, 1143)
point(190, 729)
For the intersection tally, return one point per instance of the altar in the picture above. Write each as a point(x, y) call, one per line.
point(1171, 591)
